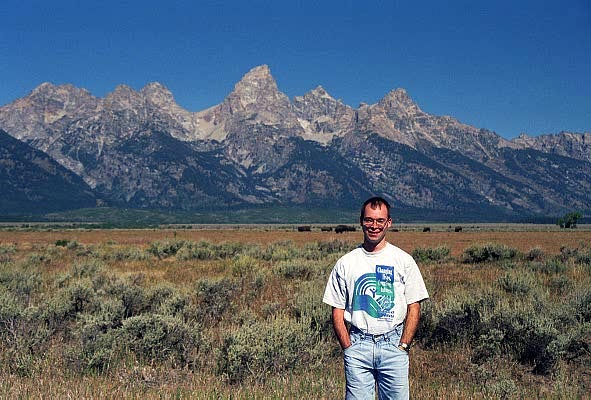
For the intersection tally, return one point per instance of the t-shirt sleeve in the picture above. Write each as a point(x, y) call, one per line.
point(335, 293)
point(415, 289)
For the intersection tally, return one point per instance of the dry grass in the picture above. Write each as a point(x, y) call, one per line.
point(442, 372)
point(550, 241)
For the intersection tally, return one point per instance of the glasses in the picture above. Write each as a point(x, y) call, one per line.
point(368, 221)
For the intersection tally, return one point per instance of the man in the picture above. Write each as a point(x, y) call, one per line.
point(376, 288)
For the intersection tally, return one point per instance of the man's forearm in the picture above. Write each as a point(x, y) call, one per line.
point(340, 329)
point(413, 315)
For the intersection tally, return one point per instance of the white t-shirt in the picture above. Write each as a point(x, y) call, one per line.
point(374, 288)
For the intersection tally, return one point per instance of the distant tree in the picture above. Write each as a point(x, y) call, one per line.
point(570, 220)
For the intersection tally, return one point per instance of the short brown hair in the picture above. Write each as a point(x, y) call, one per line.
point(375, 202)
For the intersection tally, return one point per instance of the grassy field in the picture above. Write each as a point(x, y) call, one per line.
point(237, 313)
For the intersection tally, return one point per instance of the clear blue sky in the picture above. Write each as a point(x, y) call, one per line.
point(508, 66)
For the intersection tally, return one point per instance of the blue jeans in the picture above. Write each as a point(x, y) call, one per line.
point(376, 359)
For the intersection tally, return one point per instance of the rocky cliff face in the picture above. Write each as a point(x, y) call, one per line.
point(31, 180)
point(141, 149)
point(322, 117)
point(565, 144)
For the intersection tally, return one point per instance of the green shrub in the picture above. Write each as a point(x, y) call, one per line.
point(582, 306)
point(567, 252)
point(457, 324)
point(7, 248)
point(517, 284)
point(321, 249)
point(270, 309)
point(577, 342)
point(228, 249)
point(213, 299)
point(487, 253)
point(67, 303)
point(166, 248)
point(132, 296)
point(561, 284)
point(97, 348)
point(11, 312)
point(261, 350)
point(535, 254)
point(22, 335)
point(22, 281)
point(426, 323)
point(209, 251)
point(508, 264)
point(294, 269)
point(195, 251)
point(308, 306)
point(489, 345)
point(174, 306)
point(160, 338)
point(529, 339)
point(29, 338)
point(583, 258)
point(73, 245)
point(128, 253)
point(461, 320)
point(547, 361)
point(424, 255)
point(86, 269)
point(134, 300)
point(243, 265)
point(255, 250)
point(97, 356)
point(36, 260)
point(98, 353)
point(552, 266)
point(69, 244)
point(166, 300)
point(82, 298)
point(281, 251)
point(247, 316)
point(502, 389)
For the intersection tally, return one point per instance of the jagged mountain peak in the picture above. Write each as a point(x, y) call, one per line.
point(47, 104)
point(258, 78)
point(49, 87)
point(256, 87)
point(397, 101)
point(261, 72)
point(123, 89)
point(157, 94)
point(124, 98)
point(48, 90)
point(44, 89)
point(155, 86)
point(321, 116)
point(320, 91)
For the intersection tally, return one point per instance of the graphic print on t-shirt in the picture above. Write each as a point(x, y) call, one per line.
point(374, 292)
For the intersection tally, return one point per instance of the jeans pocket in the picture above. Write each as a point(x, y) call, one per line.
point(398, 349)
point(354, 340)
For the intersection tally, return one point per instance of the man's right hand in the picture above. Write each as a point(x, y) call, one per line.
point(340, 328)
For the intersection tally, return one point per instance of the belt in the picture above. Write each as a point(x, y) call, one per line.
point(375, 338)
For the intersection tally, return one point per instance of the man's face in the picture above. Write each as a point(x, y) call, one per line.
point(375, 224)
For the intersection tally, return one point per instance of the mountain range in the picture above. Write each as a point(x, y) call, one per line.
point(62, 148)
